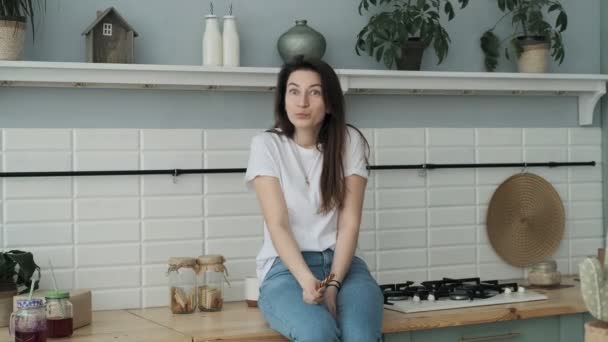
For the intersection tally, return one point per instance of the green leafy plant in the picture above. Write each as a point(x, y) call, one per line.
point(16, 270)
point(386, 32)
point(529, 24)
point(20, 10)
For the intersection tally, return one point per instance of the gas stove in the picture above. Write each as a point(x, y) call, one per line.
point(449, 293)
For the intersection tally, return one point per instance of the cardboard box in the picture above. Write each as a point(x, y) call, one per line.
point(81, 304)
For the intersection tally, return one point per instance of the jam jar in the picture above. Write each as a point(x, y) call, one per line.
point(28, 323)
point(59, 314)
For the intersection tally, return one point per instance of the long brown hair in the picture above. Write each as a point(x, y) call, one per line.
point(331, 139)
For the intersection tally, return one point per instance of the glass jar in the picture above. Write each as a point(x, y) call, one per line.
point(210, 282)
point(544, 273)
point(59, 314)
point(28, 323)
point(182, 284)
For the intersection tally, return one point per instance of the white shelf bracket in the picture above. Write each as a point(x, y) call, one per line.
point(344, 83)
point(586, 106)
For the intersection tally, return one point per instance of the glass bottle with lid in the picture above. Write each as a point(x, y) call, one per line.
point(59, 314)
point(28, 323)
point(182, 283)
point(210, 280)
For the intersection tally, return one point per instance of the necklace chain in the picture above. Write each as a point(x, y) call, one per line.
point(301, 164)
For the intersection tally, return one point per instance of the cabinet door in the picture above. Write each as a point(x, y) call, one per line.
point(397, 337)
point(565, 328)
point(572, 328)
point(530, 330)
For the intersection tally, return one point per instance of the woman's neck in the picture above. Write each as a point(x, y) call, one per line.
point(306, 139)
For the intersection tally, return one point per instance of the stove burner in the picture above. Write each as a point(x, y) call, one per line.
point(454, 289)
point(395, 292)
point(460, 295)
point(394, 295)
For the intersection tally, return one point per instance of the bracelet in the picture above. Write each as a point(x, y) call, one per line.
point(334, 285)
point(337, 284)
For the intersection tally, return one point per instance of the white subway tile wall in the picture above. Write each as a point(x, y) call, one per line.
point(114, 234)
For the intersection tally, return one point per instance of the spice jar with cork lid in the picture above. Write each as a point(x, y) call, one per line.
point(211, 277)
point(182, 283)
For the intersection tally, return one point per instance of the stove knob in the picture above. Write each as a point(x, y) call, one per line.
point(431, 298)
point(416, 299)
point(508, 290)
point(521, 289)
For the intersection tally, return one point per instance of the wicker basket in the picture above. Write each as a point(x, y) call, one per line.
point(6, 307)
point(525, 220)
point(12, 39)
point(596, 331)
point(534, 58)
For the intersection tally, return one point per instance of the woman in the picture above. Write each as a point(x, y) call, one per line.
point(309, 173)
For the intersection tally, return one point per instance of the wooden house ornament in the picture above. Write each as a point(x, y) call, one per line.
point(110, 39)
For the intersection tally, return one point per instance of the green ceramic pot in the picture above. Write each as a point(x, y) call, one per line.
point(411, 55)
point(301, 40)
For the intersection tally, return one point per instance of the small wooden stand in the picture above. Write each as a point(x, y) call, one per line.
point(596, 331)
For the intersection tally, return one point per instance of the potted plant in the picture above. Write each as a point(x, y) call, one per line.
point(399, 37)
point(16, 271)
point(14, 15)
point(532, 37)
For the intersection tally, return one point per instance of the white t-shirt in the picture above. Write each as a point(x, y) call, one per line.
point(278, 156)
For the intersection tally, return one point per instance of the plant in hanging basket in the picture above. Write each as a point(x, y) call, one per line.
point(400, 36)
point(530, 28)
point(16, 271)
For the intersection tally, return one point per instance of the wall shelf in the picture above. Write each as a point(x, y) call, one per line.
point(588, 88)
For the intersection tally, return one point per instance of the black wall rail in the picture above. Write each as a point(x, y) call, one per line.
point(481, 165)
point(178, 172)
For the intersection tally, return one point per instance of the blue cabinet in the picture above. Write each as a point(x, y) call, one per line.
point(565, 328)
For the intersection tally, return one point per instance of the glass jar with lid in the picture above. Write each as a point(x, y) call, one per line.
point(182, 284)
point(211, 277)
point(28, 323)
point(544, 273)
point(59, 314)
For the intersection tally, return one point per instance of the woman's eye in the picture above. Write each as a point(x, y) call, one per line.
point(316, 92)
point(293, 91)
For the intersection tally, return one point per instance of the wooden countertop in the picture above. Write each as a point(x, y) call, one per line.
point(118, 326)
point(237, 322)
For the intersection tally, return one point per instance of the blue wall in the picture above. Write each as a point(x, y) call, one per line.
point(171, 31)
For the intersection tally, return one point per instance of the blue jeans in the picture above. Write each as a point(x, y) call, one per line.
point(359, 303)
